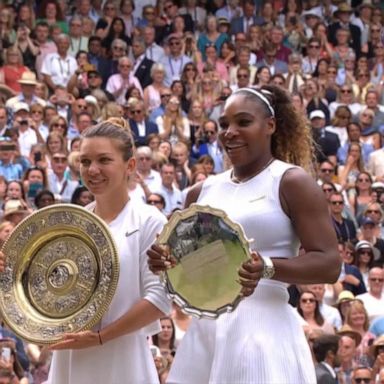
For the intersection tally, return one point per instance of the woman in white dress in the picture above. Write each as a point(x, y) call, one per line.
point(275, 201)
point(116, 351)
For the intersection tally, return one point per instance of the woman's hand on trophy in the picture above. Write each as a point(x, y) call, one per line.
point(78, 340)
point(250, 273)
point(160, 259)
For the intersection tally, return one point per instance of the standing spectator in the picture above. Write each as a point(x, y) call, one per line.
point(346, 354)
point(141, 127)
point(354, 165)
point(78, 42)
point(325, 349)
point(151, 95)
point(142, 65)
point(85, 9)
point(29, 50)
point(58, 67)
point(116, 31)
point(12, 70)
point(269, 60)
point(173, 125)
point(153, 51)
point(51, 13)
point(197, 13)
point(175, 61)
point(144, 168)
point(310, 61)
point(344, 227)
point(242, 79)
point(207, 144)
point(119, 83)
point(58, 184)
point(343, 15)
point(45, 45)
point(104, 23)
point(244, 22)
point(172, 195)
point(369, 134)
point(372, 103)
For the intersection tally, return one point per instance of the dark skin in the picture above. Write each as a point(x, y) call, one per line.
point(246, 130)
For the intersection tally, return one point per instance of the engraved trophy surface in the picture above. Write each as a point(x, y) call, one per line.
point(61, 273)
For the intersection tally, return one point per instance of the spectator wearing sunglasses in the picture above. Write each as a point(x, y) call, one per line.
point(140, 125)
point(374, 299)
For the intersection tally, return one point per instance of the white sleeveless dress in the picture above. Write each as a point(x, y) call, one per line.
point(262, 341)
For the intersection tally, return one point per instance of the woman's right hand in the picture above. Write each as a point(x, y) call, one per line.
point(159, 259)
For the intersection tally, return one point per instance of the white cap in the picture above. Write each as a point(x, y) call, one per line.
point(90, 99)
point(20, 106)
point(317, 114)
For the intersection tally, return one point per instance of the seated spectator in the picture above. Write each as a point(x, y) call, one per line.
point(50, 12)
point(142, 67)
point(372, 103)
point(15, 210)
point(9, 169)
point(180, 157)
point(308, 308)
point(357, 318)
point(144, 167)
point(6, 228)
point(157, 200)
point(345, 98)
point(81, 196)
point(151, 95)
point(271, 61)
point(78, 42)
point(374, 300)
point(363, 196)
point(44, 199)
point(361, 86)
point(367, 231)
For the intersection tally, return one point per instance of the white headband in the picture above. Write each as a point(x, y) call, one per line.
point(259, 94)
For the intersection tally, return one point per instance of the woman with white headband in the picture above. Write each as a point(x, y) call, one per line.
point(280, 206)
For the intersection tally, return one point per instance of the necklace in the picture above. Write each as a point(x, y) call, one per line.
point(236, 180)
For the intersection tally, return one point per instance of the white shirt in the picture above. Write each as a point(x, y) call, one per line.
point(174, 67)
point(374, 307)
point(331, 315)
point(26, 140)
point(60, 70)
point(173, 198)
point(155, 53)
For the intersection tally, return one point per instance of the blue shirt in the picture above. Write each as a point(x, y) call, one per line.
point(11, 171)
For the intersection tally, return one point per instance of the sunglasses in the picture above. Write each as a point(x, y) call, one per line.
point(376, 280)
point(305, 301)
point(209, 133)
point(59, 125)
point(92, 76)
point(326, 170)
point(39, 112)
point(242, 76)
point(154, 202)
point(125, 66)
point(364, 75)
point(137, 112)
point(365, 380)
point(332, 72)
point(190, 69)
point(149, 13)
point(174, 43)
point(327, 190)
point(60, 159)
point(346, 91)
point(369, 253)
point(364, 180)
point(373, 211)
point(337, 202)
point(314, 46)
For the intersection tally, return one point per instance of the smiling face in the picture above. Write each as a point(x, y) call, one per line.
point(102, 166)
point(246, 131)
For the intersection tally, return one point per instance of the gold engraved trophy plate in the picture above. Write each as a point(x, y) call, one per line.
point(61, 273)
point(208, 249)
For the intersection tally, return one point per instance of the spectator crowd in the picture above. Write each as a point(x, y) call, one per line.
point(167, 67)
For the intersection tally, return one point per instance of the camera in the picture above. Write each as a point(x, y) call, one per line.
point(293, 20)
point(203, 139)
point(23, 122)
point(37, 157)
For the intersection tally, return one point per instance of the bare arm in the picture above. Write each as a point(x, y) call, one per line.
point(49, 82)
point(305, 204)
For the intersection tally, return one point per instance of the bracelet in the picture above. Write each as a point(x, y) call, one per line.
point(100, 341)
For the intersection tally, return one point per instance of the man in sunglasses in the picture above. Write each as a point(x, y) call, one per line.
point(362, 375)
point(374, 299)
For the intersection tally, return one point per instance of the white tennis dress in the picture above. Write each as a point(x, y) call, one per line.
point(262, 341)
point(126, 359)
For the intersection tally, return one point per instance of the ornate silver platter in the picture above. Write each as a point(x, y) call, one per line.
point(61, 273)
point(208, 248)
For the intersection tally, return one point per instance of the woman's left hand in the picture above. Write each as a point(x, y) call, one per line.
point(78, 340)
point(250, 273)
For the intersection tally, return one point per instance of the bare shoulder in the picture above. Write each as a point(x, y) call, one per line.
point(193, 194)
point(299, 191)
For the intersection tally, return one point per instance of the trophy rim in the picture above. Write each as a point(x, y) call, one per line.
point(162, 239)
point(23, 261)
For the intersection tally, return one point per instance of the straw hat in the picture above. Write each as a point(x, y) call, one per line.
point(14, 206)
point(343, 8)
point(28, 78)
point(346, 330)
point(379, 342)
point(345, 296)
